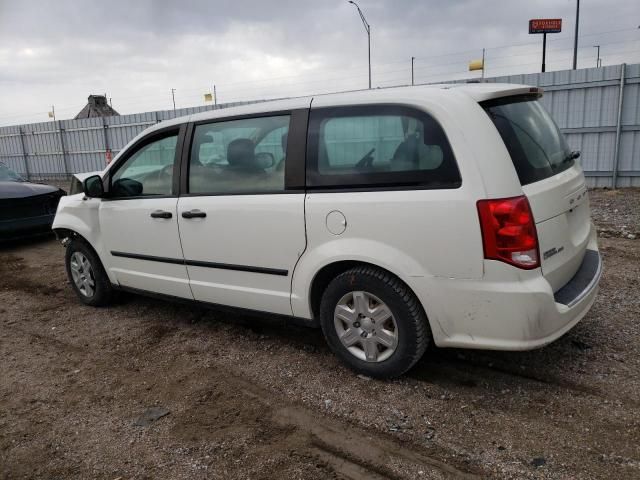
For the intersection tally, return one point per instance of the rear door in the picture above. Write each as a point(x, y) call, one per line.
point(551, 179)
point(241, 215)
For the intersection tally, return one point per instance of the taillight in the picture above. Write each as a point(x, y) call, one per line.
point(509, 232)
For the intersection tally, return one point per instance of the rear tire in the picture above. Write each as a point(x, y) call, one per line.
point(373, 322)
point(87, 275)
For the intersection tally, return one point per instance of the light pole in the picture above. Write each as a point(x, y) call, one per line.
point(575, 38)
point(173, 97)
point(367, 28)
point(598, 61)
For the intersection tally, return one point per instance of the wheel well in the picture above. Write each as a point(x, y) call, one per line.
point(62, 233)
point(324, 277)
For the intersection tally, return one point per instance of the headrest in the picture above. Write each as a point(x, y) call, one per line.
point(241, 154)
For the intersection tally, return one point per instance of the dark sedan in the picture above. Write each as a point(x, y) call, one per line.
point(25, 208)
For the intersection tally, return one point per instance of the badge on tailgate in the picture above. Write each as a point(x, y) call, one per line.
point(551, 252)
point(577, 197)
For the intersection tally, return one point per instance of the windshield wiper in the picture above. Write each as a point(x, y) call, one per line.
point(571, 156)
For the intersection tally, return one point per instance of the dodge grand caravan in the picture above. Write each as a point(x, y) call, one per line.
point(390, 218)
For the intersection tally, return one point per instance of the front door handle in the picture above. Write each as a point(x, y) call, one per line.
point(161, 214)
point(193, 214)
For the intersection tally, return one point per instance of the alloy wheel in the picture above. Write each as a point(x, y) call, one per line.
point(365, 326)
point(82, 274)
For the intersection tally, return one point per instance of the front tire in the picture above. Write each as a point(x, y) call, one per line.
point(373, 322)
point(86, 274)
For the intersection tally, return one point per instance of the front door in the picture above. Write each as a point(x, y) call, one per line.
point(242, 231)
point(139, 222)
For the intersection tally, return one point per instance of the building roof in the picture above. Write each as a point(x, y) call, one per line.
point(96, 106)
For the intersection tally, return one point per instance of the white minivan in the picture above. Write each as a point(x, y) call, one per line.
point(391, 218)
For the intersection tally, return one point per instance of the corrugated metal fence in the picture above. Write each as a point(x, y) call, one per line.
point(57, 149)
point(597, 108)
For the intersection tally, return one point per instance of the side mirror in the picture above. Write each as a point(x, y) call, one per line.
point(265, 159)
point(92, 186)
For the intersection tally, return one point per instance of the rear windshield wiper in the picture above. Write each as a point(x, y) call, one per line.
point(571, 156)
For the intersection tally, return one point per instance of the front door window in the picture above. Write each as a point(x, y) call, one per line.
point(149, 171)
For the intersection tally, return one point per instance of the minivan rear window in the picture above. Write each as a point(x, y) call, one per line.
point(378, 146)
point(537, 147)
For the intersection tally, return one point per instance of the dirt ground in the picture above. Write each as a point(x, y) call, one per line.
point(245, 398)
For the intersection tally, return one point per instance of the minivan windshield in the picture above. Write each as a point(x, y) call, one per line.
point(534, 141)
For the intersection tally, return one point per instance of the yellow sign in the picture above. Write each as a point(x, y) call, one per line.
point(50, 114)
point(476, 65)
point(208, 97)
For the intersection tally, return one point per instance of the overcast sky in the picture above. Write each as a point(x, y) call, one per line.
point(135, 51)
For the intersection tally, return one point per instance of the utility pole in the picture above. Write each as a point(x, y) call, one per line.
point(412, 59)
point(544, 51)
point(482, 63)
point(215, 97)
point(53, 112)
point(367, 28)
point(575, 38)
point(173, 97)
point(598, 61)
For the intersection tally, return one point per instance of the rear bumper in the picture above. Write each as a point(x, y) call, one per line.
point(518, 312)
point(583, 282)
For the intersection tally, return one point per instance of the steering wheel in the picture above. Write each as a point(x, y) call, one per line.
point(366, 161)
point(126, 187)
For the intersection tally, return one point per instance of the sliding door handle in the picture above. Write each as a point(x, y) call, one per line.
point(194, 214)
point(161, 214)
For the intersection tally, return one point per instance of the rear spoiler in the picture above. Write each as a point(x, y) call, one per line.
point(490, 91)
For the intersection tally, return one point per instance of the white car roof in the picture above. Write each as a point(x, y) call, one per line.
point(477, 91)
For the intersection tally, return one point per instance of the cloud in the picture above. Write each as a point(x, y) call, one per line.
point(136, 51)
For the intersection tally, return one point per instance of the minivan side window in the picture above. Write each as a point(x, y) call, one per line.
point(149, 171)
point(239, 156)
point(378, 146)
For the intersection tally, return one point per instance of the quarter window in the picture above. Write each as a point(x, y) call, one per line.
point(378, 146)
point(149, 171)
point(239, 156)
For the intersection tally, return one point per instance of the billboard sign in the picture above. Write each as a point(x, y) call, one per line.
point(545, 25)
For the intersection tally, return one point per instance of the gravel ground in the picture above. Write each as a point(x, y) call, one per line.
point(249, 398)
point(616, 212)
